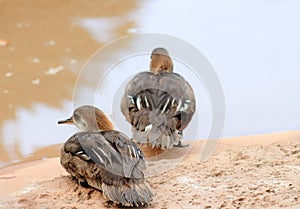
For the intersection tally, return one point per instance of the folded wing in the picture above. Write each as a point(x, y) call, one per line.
point(148, 96)
point(112, 151)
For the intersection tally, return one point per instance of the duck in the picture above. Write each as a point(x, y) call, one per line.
point(159, 104)
point(105, 159)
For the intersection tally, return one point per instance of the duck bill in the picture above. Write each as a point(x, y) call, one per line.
point(67, 121)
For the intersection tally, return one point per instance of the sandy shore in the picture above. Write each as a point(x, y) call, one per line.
point(244, 172)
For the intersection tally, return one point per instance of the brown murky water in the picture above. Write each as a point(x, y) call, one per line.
point(39, 67)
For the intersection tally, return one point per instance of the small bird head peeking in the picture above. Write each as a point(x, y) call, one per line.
point(161, 61)
point(89, 118)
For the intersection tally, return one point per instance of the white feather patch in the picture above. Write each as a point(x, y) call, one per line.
point(131, 98)
point(164, 109)
point(138, 102)
point(185, 107)
point(83, 155)
point(146, 101)
point(179, 105)
point(148, 128)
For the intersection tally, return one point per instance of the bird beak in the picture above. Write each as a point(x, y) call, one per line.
point(67, 121)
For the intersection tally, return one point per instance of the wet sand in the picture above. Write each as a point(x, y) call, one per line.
point(244, 172)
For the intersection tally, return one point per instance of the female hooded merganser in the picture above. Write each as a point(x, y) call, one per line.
point(159, 104)
point(105, 159)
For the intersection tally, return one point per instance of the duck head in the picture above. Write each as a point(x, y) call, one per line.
point(161, 61)
point(89, 118)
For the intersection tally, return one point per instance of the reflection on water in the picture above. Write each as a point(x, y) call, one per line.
point(35, 128)
point(254, 48)
point(38, 69)
point(102, 28)
point(257, 65)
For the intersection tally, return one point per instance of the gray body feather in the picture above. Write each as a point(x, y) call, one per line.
point(110, 162)
point(159, 107)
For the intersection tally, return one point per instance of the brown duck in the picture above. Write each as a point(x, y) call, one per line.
point(105, 159)
point(158, 104)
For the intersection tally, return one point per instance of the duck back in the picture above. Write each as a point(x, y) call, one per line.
point(159, 107)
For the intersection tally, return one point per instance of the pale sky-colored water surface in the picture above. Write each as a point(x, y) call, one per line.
point(254, 47)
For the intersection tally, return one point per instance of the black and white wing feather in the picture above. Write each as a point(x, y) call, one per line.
point(159, 102)
point(110, 162)
point(111, 150)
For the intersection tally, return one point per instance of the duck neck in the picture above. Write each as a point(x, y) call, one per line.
point(104, 123)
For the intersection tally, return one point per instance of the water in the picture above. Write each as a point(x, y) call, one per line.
point(254, 48)
point(252, 45)
point(35, 128)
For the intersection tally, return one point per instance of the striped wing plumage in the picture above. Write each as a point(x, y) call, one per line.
point(112, 151)
point(159, 107)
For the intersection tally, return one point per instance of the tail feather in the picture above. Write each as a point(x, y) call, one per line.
point(128, 195)
point(164, 138)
